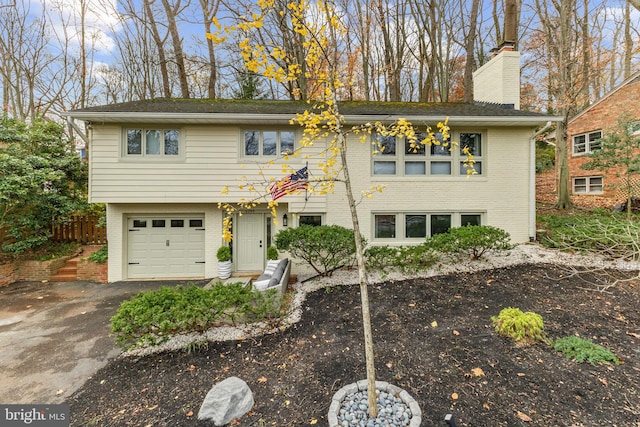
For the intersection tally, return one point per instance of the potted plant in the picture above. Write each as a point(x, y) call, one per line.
point(272, 253)
point(224, 262)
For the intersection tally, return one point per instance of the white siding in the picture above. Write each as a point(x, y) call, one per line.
point(502, 193)
point(211, 162)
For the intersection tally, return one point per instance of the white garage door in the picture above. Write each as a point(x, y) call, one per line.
point(165, 247)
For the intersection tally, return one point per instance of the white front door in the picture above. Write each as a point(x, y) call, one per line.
point(249, 241)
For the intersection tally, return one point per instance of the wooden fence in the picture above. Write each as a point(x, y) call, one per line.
point(81, 229)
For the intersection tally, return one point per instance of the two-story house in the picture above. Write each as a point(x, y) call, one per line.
point(161, 167)
point(597, 187)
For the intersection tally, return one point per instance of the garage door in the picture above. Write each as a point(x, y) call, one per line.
point(165, 247)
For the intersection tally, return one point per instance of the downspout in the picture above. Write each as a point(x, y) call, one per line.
point(532, 182)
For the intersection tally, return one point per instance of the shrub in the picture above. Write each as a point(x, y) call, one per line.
point(100, 256)
point(476, 240)
point(583, 350)
point(524, 328)
point(324, 247)
point(272, 253)
point(224, 253)
point(406, 259)
point(150, 318)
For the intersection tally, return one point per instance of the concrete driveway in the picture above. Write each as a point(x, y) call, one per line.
point(54, 336)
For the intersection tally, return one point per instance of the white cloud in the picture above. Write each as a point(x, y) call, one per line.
point(101, 20)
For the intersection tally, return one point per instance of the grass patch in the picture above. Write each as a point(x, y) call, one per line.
point(150, 318)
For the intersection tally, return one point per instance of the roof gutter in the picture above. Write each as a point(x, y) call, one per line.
point(211, 118)
point(532, 181)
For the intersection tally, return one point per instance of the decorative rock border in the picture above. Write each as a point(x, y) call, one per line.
point(338, 397)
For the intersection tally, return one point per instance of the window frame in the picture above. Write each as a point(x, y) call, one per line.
point(431, 157)
point(317, 215)
point(589, 145)
point(401, 229)
point(144, 132)
point(588, 185)
point(261, 138)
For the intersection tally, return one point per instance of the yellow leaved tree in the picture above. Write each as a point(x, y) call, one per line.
point(313, 71)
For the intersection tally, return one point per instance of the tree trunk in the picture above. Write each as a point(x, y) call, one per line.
point(362, 278)
point(564, 195)
point(160, 46)
point(470, 64)
point(177, 46)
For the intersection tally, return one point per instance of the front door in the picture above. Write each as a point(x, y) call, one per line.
point(250, 242)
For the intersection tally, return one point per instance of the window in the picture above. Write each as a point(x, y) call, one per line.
point(153, 143)
point(586, 142)
point(313, 220)
point(394, 156)
point(268, 143)
point(420, 225)
point(588, 185)
point(385, 226)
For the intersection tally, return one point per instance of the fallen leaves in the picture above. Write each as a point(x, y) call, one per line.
point(454, 396)
point(434, 324)
point(477, 372)
point(262, 380)
point(524, 417)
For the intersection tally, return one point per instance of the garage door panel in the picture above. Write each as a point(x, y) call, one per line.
point(165, 247)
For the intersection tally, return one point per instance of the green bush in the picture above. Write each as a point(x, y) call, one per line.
point(545, 157)
point(100, 256)
point(583, 350)
point(475, 240)
point(524, 328)
point(324, 247)
point(224, 253)
point(272, 253)
point(406, 259)
point(150, 318)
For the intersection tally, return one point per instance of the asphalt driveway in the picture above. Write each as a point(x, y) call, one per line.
point(54, 336)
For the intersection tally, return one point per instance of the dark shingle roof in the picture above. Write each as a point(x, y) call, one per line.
point(218, 106)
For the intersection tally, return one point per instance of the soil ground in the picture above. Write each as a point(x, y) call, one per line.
point(433, 337)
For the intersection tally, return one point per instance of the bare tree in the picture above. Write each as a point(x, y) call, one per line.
point(172, 11)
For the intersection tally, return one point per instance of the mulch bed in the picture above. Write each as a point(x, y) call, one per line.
point(293, 374)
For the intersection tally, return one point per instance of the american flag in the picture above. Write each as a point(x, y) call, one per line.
point(296, 181)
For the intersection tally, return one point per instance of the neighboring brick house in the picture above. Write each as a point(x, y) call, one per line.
point(595, 187)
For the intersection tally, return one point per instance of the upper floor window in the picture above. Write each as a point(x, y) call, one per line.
point(586, 142)
point(268, 143)
point(395, 156)
point(153, 143)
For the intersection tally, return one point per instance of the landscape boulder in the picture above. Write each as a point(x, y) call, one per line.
point(229, 399)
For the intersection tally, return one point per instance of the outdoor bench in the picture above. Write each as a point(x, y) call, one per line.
point(275, 276)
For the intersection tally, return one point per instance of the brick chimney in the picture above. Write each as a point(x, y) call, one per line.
point(498, 81)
